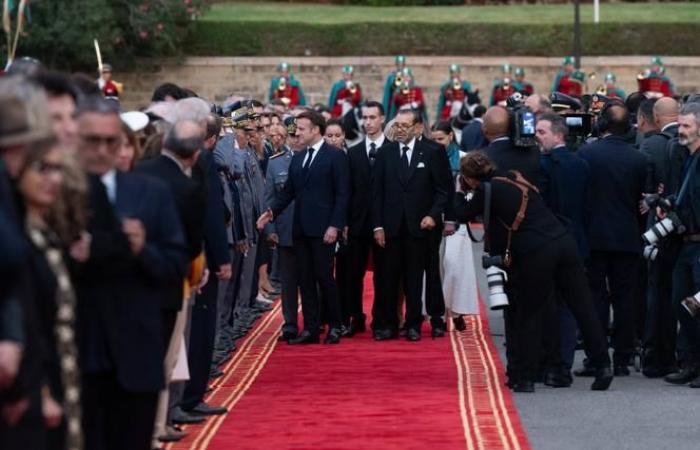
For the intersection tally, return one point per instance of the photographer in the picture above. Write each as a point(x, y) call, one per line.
point(539, 255)
point(684, 181)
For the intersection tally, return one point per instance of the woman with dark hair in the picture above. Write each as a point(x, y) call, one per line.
point(442, 133)
point(335, 135)
point(130, 149)
point(39, 187)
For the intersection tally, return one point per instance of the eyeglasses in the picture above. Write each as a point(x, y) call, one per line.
point(403, 126)
point(46, 168)
point(96, 140)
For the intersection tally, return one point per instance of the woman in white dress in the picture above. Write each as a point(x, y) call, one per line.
point(457, 261)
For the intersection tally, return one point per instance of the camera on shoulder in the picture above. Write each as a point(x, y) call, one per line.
point(523, 122)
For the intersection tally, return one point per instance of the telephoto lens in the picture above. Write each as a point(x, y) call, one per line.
point(496, 279)
point(692, 305)
point(659, 231)
point(650, 252)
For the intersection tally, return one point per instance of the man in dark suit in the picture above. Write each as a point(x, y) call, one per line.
point(563, 186)
point(318, 183)
point(501, 150)
point(660, 318)
point(409, 195)
point(618, 175)
point(137, 253)
point(204, 311)
point(472, 135)
point(362, 158)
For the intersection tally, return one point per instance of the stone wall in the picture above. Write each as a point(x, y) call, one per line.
point(216, 77)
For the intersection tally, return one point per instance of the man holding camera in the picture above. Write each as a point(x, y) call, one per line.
point(539, 255)
point(683, 180)
point(618, 174)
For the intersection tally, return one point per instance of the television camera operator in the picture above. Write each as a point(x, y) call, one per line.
point(532, 253)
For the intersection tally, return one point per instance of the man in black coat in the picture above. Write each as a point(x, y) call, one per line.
point(617, 181)
point(362, 158)
point(472, 134)
point(409, 196)
point(501, 150)
point(137, 253)
point(318, 183)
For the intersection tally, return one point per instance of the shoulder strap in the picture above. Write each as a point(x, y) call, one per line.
point(525, 186)
point(486, 216)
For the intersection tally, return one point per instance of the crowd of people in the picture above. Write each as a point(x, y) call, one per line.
point(137, 247)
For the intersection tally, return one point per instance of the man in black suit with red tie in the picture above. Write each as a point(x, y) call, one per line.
point(318, 185)
point(362, 159)
point(409, 196)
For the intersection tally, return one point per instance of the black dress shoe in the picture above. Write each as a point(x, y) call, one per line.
point(384, 335)
point(621, 370)
point(683, 376)
point(287, 336)
point(585, 371)
point(437, 331)
point(603, 378)
point(412, 335)
point(459, 323)
point(524, 386)
point(180, 417)
point(305, 338)
point(333, 336)
point(657, 372)
point(171, 437)
point(203, 409)
point(556, 380)
point(216, 373)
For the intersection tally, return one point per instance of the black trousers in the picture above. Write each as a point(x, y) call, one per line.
point(434, 297)
point(660, 323)
point(358, 251)
point(534, 276)
point(202, 336)
point(315, 262)
point(29, 433)
point(404, 257)
point(116, 419)
point(289, 274)
point(617, 271)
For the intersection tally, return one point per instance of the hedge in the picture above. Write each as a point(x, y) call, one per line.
point(253, 38)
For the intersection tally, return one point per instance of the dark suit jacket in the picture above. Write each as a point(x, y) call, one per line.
point(119, 294)
point(359, 221)
point(507, 157)
point(472, 137)
point(321, 196)
point(564, 187)
point(215, 238)
point(618, 175)
point(422, 192)
point(655, 147)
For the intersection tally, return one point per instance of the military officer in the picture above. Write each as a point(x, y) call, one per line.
point(654, 82)
point(569, 81)
point(503, 87)
point(393, 80)
point(286, 88)
point(407, 95)
point(345, 93)
point(611, 90)
point(452, 94)
point(524, 87)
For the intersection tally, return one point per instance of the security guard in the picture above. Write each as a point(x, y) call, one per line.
point(654, 82)
point(344, 91)
point(503, 87)
point(524, 87)
point(611, 90)
point(569, 81)
point(452, 91)
point(393, 80)
point(286, 88)
point(407, 95)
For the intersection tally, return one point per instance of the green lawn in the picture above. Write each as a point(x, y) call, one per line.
point(515, 14)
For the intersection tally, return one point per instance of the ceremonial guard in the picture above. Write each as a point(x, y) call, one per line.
point(524, 87)
point(569, 81)
point(407, 95)
point(393, 81)
point(286, 88)
point(345, 94)
point(653, 82)
point(503, 88)
point(452, 94)
point(108, 86)
point(610, 89)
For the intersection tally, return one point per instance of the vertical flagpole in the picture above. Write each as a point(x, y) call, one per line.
point(577, 34)
point(596, 11)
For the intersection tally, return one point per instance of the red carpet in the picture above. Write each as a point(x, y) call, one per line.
point(446, 393)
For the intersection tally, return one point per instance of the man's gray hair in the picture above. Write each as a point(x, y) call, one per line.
point(184, 138)
point(691, 108)
point(191, 108)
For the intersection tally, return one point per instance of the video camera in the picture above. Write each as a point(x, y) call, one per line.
point(522, 123)
point(580, 123)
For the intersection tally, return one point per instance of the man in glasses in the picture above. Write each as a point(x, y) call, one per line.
point(138, 251)
point(409, 196)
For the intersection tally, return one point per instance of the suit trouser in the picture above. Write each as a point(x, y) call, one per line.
point(171, 354)
point(289, 272)
point(686, 283)
point(29, 432)
point(404, 258)
point(434, 297)
point(555, 266)
point(201, 345)
point(315, 262)
point(620, 270)
point(358, 250)
point(248, 287)
point(114, 418)
point(660, 321)
point(225, 298)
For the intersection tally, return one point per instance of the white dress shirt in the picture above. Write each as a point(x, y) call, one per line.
point(378, 143)
point(109, 179)
point(410, 146)
point(317, 147)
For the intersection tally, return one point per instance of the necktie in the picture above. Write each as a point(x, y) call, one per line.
point(307, 163)
point(404, 156)
point(372, 153)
